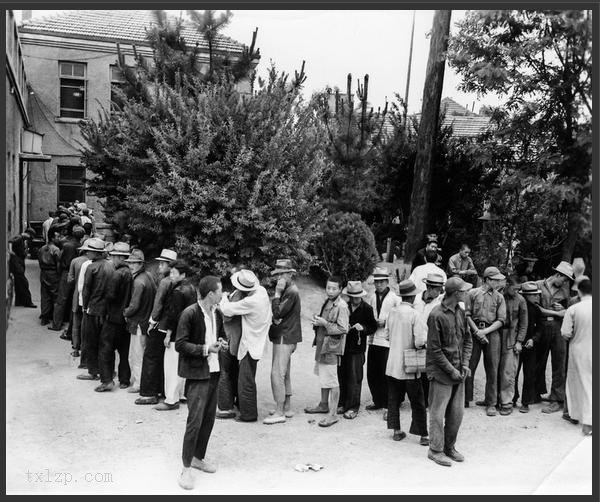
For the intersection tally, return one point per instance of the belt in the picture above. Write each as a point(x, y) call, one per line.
point(482, 324)
point(548, 319)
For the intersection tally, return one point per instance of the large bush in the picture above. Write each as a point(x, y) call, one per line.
point(346, 247)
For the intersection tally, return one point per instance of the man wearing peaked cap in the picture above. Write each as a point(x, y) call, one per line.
point(486, 315)
point(382, 302)
point(554, 301)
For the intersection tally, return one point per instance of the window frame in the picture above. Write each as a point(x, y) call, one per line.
point(83, 80)
point(70, 182)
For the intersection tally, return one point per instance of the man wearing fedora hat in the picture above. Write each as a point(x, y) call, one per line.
point(362, 324)
point(406, 329)
point(114, 335)
point(95, 284)
point(486, 314)
point(527, 359)
point(255, 309)
point(447, 363)
point(137, 314)
point(382, 302)
point(285, 333)
point(166, 258)
point(554, 301)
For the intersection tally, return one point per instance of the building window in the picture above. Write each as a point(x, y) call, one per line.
point(72, 90)
point(71, 184)
point(117, 79)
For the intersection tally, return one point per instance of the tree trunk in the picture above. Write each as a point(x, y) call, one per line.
point(572, 236)
point(432, 95)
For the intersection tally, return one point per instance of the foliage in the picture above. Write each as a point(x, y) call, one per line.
point(346, 247)
point(541, 62)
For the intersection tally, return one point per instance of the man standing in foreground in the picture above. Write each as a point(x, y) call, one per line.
point(255, 309)
point(285, 333)
point(198, 342)
point(447, 362)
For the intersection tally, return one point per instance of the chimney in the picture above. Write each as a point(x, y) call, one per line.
point(26, 15)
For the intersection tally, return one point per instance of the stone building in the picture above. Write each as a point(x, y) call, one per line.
point(71, 63)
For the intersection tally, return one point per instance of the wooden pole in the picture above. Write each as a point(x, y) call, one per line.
point(410, 53)
point(432, 95)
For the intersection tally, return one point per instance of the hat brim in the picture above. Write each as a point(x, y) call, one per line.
point(381, 277)
point(431, 283)
point(118, 253)
point(236, 283)
point(530, 292)
point(164, 259)
point(497, 277)
point(412, 292)
point(135, 260)
point(283, 271)
point(355, 295)
point(570, 277)
point(91, 249)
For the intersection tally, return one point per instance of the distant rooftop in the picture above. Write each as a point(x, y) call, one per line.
point(116, 26)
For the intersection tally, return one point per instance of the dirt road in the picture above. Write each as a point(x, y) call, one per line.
point(62, 437)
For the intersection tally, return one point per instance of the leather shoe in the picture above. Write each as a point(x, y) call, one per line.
point(225, 414)
point(75, 353)
point(64, 336)
point(186, 481)
point(166, 406)
point(552, 408)
point(506, 410)
point(439, 458)
point(54, 328)
point(424, 441)
point(105, 387)
point(372, 407)
point(240, 419)
point(490, 411)
point(87, 376)
point(568, 418)
point(82, 367)
point(123, 385)
point(524, 408)
point(454, 455)
point(147, 400)
point(399, 435)
point(480, 403)
point(203, 465)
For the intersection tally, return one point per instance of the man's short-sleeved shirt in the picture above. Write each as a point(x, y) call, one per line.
point(456, 262)
point(486, 305)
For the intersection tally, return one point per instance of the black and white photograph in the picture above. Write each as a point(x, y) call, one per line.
point(339, 251)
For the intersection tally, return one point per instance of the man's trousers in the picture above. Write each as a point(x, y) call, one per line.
point(414, 389)
point(350, 377)
point(376, 378)
point(507, 372)
point(63, 300)
point(114, 336)
point(152, 376)
point(247, 389)
point(137, 343)
point(49, 291)
point(92, 327)
point(552, 343)
point(527, 361)
point(228, 380)
point(446, 408)
point(174, 384)
point(491, 361)
point(281, 383)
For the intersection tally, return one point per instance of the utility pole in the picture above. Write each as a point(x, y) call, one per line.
point(410, 53)
point(432, 95)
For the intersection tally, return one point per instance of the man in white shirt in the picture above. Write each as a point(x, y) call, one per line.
point(419, 274)
point(255, 310)
point(46, 225)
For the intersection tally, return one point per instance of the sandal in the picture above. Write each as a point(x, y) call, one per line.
point(328, 422)
point(351, 414)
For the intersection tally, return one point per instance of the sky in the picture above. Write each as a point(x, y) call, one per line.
point(337, 42)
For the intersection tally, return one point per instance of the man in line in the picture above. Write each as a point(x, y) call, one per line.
point(553, 303)
point(406, 329)
point(255, 309)
point(46, 226)
point(181, 296)
point(198, 341)
point(577, 329)
point(361, 324)
point(381, 302)
point(530, 292)
point(424, 303)
point(419, 274)
point(461, 264)
point(48, 258)
point(114, 335)
point(285, 333)
point(331, 326)
point(137, 314)
point(511, 340)
point(70, 250)
point(16, 267)
point(448, 352)
point(486, 314)
point(95, 284)
point(431, 245)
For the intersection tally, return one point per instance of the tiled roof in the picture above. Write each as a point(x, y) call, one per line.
point(117, 26)
point(451, 107)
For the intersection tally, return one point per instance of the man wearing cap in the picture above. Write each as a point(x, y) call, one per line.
point(382, 302)
point(48, 258)
point(511, 340)
point(553, 304)
point(114, 335)
point(527, 360)
point(419, 274)
point(406, 329)
point(285, 333)
point(486, 314)
point(461, 264)
point(420, 257)
point(361, 324)
point(255, 309)
point(424, 303)
point(137, 314)
point(95, 283)
point(331, 326)
point(447, 363)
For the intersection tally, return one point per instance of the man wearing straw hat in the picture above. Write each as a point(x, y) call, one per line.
point(95, 283)
point(362, 324)
point(382, 302)
point(114, 335)
point(255, 309)
point(553, 304)
point(285, 333)
point(137, 314)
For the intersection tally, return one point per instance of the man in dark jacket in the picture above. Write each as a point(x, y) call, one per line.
point(16, 267)
point(362, 324)
point(114, 335)
point(70, 250)
point(198, 342)
point(95, 284)
point(181, 296)
point(137, 315)
point(48, 257)
point(449, 348)
point(285, 333)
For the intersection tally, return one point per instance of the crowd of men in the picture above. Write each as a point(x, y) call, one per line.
point(179, 336)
